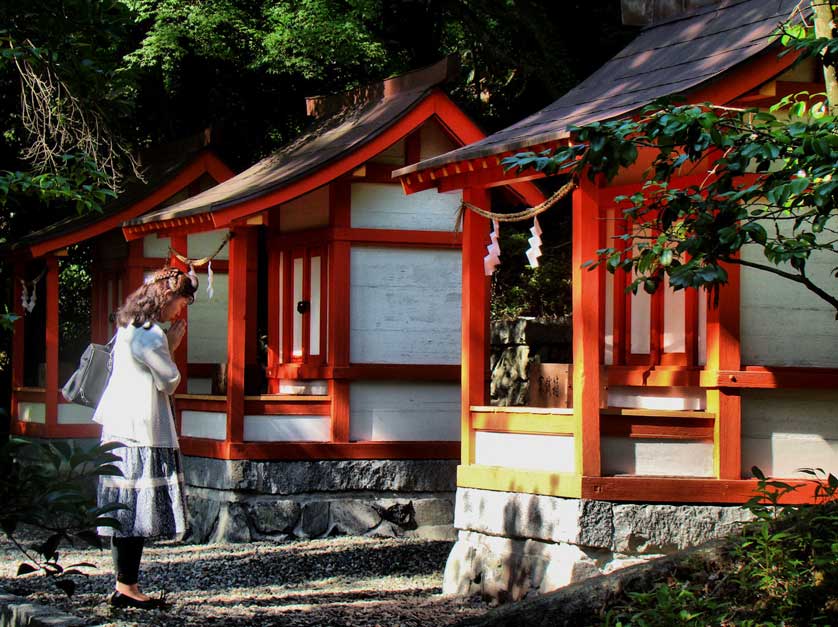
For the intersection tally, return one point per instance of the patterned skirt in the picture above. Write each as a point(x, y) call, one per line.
point(152, 490)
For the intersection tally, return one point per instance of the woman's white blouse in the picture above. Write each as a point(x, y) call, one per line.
point(135, 408)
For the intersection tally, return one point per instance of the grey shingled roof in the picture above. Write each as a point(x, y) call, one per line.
point(372, 110)
point(664, 59)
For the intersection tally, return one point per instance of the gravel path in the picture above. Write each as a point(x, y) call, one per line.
point(340, 581)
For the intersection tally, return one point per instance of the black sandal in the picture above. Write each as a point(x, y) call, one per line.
point(117, 599)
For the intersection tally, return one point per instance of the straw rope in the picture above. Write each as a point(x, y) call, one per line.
point(563, 191)
point(203, 260)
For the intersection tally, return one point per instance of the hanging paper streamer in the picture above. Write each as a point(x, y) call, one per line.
point(27, 301)
point(27, 298)
point(492, 260)
point(192, 276)
point(534, 251)
point(210, 288)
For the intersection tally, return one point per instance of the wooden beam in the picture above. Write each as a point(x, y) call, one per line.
point(308, 451)
point(509, 422)
point(684, 490)
point(586, 328)
point(338, 297)
point(52, 342)
point(18, 335)
point(239, 322)
point(502, 479)
point(475, 319)
point(180, 243)
point(723, 354)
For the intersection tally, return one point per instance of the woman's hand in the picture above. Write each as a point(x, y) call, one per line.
point(175, 334)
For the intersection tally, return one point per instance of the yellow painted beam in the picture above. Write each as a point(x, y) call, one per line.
point(503, 479)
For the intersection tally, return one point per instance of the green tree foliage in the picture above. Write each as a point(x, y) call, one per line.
point(769, 183)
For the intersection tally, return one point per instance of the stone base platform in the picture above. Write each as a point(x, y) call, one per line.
point(239, 501)
point(511, 545)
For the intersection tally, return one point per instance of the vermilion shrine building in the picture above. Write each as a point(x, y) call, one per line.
point(673, 399)
point(335, 323)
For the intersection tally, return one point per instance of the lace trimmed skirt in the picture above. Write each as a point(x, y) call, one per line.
point(151, 488)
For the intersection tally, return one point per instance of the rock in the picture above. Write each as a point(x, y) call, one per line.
point(354, 516)
point(302, 477)
point(274, 517)
point(203, 517)
point(662, 529)
point(401, 514)
point(314, 520)
point(547, 518)
point(232, 524)
point(15, 610)
point(434, 511)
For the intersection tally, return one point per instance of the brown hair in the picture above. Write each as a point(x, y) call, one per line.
point(146, 303)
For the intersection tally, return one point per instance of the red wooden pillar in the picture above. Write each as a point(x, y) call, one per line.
point(241, 325)
point(51, 304)
point(18, 337)
point(275, 314)
point(587, 320)
point(723, 353)
point(135, 273)
point(339, 294)
point(180, 244)
point(475, 319)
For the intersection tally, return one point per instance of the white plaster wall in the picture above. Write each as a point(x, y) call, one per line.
point(205, 244)
point(394, 411)
point(630, 456)
point(287, 429)
point(405, 306)
point(72, 414)
point(31, 412)
point(674, 323)
point(783, 430)
point(671, 398)
point(383, 206)
point(197, 385)
point(306, 212)
point(783, 324)
point(524, 450)
point(207, 329)
point(433, 140)
point(203, 424)
point(154, 246)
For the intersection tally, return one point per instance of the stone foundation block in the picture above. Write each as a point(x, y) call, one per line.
point(517, 515)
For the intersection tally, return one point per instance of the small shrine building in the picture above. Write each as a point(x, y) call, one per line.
point(674, 398)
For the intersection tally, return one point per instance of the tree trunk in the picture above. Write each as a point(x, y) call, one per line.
point(824, 25)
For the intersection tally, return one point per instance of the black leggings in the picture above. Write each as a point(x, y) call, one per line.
point(127, 553)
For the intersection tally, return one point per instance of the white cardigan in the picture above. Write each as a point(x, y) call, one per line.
point(135, 407)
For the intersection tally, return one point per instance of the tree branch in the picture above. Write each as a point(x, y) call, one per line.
point(797, 278)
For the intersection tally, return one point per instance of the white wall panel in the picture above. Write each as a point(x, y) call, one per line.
point(72, 414)
point(306, 212)
point(286, 428)
point(154, 246)
point(393, 411)
point(207, 330)
point(671, 398)
point(674, 323)
point(205, 244)
point(783, 430)
point(524, 450)
point(197, 385)
point(31, 412)
point(405, 306)
point(383, 206)
point(783, 324)
point(656, 457)
point(203, 424)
